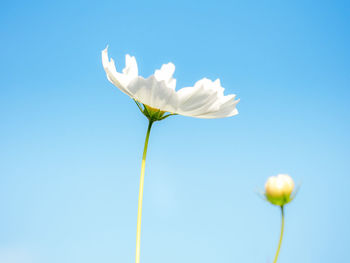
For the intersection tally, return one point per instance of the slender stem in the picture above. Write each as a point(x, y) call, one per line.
point(281, 236)
point(139, 210)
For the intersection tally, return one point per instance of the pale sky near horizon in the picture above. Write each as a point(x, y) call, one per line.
point(71, 143)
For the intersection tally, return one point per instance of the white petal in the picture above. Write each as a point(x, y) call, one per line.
point(165, 73)
point(198, 99)
point(121, 81)
point(206, 100)
point(130, 69)
point(227, 109)
point(153, 93)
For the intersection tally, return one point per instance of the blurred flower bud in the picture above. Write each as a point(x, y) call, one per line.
point(278, 189)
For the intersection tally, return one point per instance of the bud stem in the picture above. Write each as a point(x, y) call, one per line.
point(281, 236)
point(139, 210)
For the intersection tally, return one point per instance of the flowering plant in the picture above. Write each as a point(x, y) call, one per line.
point(157, 99)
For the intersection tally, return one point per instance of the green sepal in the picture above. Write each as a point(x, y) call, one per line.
point(151, 113)
point(280, 201)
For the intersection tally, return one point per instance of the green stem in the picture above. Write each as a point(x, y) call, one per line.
point(281, 236)
point(139, 210)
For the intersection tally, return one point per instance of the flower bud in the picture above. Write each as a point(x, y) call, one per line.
point(278, 189)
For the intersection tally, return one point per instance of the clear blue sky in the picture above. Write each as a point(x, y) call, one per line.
point(71, 143)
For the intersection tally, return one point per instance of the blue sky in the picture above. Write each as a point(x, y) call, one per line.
point(71, 143)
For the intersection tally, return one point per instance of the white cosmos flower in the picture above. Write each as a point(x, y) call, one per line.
point(204, 100)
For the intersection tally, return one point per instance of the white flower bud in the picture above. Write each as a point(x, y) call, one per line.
point(278, 189)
